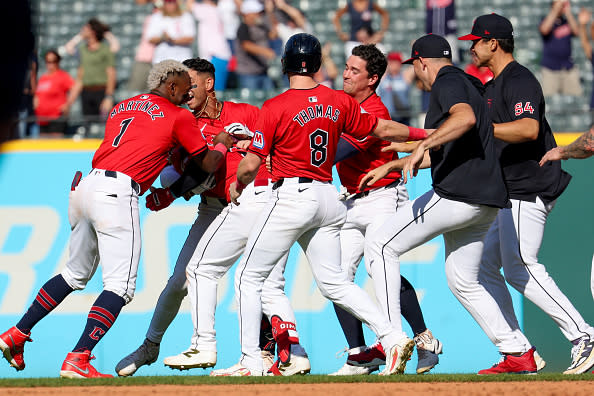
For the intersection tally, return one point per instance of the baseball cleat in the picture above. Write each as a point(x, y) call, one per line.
point(297, 365)
point(397, 357)
point(428, 347)
point(582, 356)
point(237, 370)
point(147, 353)
point(510, 364)
point(12, 344)
point(540, 362)
point(267, 360)
point(76, 365)
point(348, 369)
point(369, 357)
point(192, 358)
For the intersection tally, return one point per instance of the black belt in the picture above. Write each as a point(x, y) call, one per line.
point(135, 186)
point(301, 180)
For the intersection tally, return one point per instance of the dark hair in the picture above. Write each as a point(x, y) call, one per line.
point(52, 51)
point(200, 65)
point(507, 45)
point(376, 61)
point(98, 27)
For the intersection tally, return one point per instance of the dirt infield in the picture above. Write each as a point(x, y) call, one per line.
point(540, 388)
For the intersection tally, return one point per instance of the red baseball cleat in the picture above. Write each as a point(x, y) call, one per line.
point(12, 344)
point(370, 357)
point(76, 365)
point(510, 364)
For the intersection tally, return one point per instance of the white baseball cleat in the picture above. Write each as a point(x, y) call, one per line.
point(428, 347)
point(267, 360)
point(397, 356)
point(540, 362)
point(237, 370)
point(349, 369)
point(297, 365)
point(192, 358)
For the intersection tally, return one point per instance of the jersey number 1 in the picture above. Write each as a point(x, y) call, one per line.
point(318, 141)
point(124, 125)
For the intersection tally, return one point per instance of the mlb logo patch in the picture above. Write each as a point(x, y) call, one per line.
point(258, 140)
point(313, 99)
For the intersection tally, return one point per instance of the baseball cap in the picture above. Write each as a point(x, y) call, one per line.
point(430, 46)
point(490, 26)
point(251, 7)
point(395, 56)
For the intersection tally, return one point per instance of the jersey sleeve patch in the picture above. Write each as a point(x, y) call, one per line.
point(258, 140)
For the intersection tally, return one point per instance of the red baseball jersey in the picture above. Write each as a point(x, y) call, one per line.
point(140, 132)
point(245, 114)
point(300, 128)
point(370, 156)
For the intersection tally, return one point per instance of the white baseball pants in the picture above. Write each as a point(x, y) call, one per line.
point(311, 214)
point(103, 215)
point(513, 243)
point(176, 289)
point(464, 227)
point(222, 244)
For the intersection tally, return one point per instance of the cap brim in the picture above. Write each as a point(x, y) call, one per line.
point(470, 37)
point(409, 61)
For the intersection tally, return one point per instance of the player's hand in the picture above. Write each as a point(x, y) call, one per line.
point(401, 147)
point(178, 158)
point(269, 164)
point(234, 194)
point(554, 154)
point(225, 138)
point(239, 131)
point(243, 144)
point(373, 176)
point(412, 163)
point(159, 198)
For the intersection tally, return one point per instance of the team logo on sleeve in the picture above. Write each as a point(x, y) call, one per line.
point(258, 140)
point(520, 108)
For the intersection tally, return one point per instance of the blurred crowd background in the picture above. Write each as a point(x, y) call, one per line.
point(90, 54)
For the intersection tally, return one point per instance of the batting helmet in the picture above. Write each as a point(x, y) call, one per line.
point(302, 54)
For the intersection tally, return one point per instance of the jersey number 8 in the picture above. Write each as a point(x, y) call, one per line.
point(318, 141)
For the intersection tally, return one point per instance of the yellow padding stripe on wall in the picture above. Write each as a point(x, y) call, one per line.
point(562, 139)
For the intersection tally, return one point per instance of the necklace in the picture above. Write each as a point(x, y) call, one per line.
point(204, 114)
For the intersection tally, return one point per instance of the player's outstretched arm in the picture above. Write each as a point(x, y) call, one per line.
point(522, 130)
point(397, 132)
point(582, 147)
point(210, 160)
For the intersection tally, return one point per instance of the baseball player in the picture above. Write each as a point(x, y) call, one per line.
point(300, 130)
point(366, 210)
point(468, 189)
point(211, 116)
point(517, 109)
point(103, 210)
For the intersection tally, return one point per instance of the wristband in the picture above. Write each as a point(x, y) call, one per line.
point(416, 133)
point(221, 148)
point(239, 186)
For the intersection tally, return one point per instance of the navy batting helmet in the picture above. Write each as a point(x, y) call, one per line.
point(302, 54)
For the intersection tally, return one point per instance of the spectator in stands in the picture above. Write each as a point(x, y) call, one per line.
point(440, 18)
point(212, 44)
point(394, 88)
point(144, 54)
point(229, 12)
point(27, 126)
point(253, 48)
point(483, 73)
point(173, 32)
point(559, 74)
point(328, 71)
point(584, 19)
point(71, 46)
point(96, 75)
point(53, 97)
point(287, 20)
point(361, 15)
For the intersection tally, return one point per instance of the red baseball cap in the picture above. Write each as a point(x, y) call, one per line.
point(490, 26)
point(395, 56)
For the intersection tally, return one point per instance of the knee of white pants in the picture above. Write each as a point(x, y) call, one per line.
point(75, 281)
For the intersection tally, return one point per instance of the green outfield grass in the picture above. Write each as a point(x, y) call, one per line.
point(308, 379)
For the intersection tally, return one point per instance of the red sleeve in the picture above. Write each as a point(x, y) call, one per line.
point(263, 132)
point(358, 124)
point(186, 133)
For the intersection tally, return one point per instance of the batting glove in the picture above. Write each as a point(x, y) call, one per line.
point(239, 131)
point(159, 198)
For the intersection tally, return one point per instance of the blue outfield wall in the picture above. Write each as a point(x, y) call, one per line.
point(35, 179)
